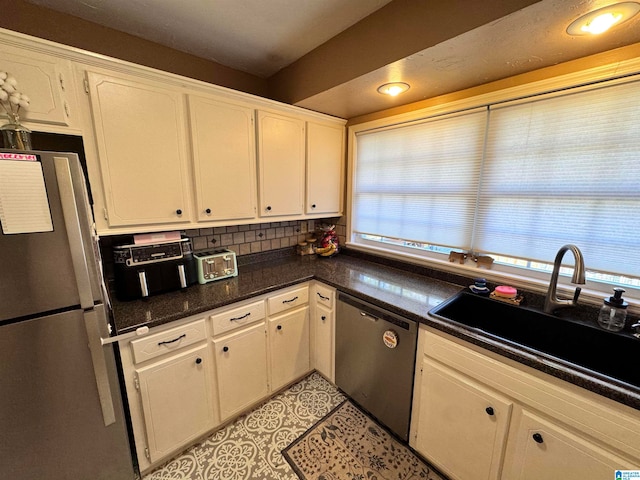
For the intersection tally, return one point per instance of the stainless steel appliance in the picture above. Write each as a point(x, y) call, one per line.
point(61, 410)
point(216, 265)
point(375, 358)
point(141, 270)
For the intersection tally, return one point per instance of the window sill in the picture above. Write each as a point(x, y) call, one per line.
point(588, 296)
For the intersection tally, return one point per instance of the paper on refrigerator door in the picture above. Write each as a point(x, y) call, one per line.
point(24, 206)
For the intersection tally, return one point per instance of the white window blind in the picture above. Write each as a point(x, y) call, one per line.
point(565, 169)
point(420, 182)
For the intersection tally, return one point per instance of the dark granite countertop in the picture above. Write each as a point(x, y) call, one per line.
point(409, 294)
point(407, 290)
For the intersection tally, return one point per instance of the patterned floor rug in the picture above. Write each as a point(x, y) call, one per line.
point(347, 444)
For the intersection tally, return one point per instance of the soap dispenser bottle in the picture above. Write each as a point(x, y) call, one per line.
point(613, 313)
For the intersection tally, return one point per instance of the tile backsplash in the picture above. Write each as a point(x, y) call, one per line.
point(261, 237)
point(242, 239)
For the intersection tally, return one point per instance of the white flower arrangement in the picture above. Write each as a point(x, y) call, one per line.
point(10, 99)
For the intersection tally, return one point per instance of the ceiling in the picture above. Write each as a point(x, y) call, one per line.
point(255, 36)
point(330, 55)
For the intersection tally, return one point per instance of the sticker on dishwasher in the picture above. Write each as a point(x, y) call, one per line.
point(390, 338)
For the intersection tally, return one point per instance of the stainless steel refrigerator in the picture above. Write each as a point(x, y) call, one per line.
point(61, 410)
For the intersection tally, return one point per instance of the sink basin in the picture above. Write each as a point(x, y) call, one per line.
point(614, 355)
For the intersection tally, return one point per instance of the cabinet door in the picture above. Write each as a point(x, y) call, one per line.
point(323, 344)
point(224, 159)
point(46, 80)
point(462, 425)
point(140, 131)
point(281, 164)
point(241, 365)
point(544, 451)
point(324, 168)
point(289, 346)
point(176, 401)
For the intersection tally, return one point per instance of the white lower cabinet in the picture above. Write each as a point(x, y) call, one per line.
point(176, 400)
point(465, 424)
point(185, 378)
point(542, 450)
point(477, 415)
point(241, 366)
point(289, 346)
point(323, 329)
point(323, 343)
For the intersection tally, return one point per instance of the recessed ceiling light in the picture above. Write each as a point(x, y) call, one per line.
point(393, 89)
point(602, 19)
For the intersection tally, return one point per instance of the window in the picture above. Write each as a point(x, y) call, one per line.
point(515, 180)
point(420, 182)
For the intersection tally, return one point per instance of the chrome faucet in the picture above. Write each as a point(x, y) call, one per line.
point(551, 301)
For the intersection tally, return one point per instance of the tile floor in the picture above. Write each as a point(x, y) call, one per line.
point(249, 448)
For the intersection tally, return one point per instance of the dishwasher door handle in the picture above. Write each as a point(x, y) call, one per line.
point(368, 315)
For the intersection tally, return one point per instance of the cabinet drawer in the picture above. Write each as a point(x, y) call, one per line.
point(324, 295)
point(288, 300)
point(237, 317)
point(168, 341)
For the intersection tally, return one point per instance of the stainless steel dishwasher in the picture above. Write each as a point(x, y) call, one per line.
point(375, 359)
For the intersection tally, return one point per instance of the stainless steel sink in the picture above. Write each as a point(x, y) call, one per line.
point(586, 346)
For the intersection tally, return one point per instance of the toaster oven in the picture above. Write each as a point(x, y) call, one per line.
point(215, 265)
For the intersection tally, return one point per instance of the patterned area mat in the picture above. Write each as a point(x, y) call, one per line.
point(347, 444)
point(250, 447)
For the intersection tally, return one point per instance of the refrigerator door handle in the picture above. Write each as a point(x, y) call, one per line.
point(74, 232)
point(94, 317)
point(92, 324)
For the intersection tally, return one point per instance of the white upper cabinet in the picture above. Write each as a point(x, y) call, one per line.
point(169, 152)
point(281, 161)
point(46, 80)
point(140, 133)
point(224, 159)
point(325, 164)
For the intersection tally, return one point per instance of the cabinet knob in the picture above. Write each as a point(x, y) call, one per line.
point(313, 206)
point(489, 410)
point(198, 361)
point(323, 318)
point(268, 208)
point(208, 211)
point(225, 349)
point(179, 211)
point(538, 438)
point(279, 327)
